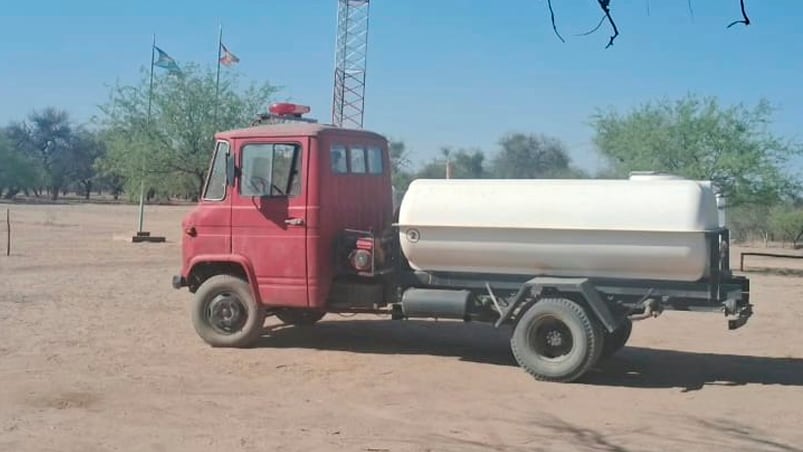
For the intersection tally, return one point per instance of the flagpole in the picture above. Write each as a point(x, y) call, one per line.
point(142, 175)
point(150, 88)
point(217, 77)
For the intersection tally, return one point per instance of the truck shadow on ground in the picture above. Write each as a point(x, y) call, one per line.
point(636, 367)
point(657, 368)
point(469, 342)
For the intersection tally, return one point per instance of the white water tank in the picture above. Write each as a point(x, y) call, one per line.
point(643, 228)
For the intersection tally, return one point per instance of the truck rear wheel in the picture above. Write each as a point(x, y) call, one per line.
point(556, 340)
point(225, 314)
point(616, 341)
point(300, 317)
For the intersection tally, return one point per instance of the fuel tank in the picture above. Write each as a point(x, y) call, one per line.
point(641, 228)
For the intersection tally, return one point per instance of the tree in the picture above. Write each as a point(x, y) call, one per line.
point(172, 147)
point(532, 157)
point(750, 222)
point(17, 172)
point(88, 148)
point(698, 139)
point(48, 139)
point(400, 164)
point(787, 223)
point(465, 164)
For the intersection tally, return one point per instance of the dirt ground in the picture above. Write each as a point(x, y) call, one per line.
point(97, 353)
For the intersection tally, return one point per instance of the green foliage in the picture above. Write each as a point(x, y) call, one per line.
point(748, 222)
point(170, 150)
point(698, 139)
point(89, 148)
point(787, 223)
point(53, 152)
point(464, 163)
point(17, 172)
point(520, 156)
point(532, 157)
point(400, 165)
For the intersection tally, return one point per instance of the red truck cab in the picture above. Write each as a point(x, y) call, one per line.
point(290, 212)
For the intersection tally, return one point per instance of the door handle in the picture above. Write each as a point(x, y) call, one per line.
point(294, 221)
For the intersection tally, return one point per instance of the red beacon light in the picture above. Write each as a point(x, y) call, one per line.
point(282, 113)
point(288, 109)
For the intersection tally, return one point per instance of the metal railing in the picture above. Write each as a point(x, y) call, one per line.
point(784, 256)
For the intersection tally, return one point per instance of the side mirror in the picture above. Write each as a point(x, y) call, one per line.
point(231, 170)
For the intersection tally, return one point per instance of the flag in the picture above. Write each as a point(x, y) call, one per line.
point(227, 58)
point(165, 61)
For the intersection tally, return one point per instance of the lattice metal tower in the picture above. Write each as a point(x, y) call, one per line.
point(350, 62)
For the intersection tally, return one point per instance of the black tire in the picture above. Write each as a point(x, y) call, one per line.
point(300, 317)
point(556, 340)
point(225, 314)
point(616, 341)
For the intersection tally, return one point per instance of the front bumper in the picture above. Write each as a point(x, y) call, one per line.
point(179, 282)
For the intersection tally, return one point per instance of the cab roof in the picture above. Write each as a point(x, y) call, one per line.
point(291, 129)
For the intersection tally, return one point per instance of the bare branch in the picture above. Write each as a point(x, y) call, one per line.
point(745, 20)
point(691, 11)
point(648, 8)
point(552, 17)
point(605, 5)
point(601, 21)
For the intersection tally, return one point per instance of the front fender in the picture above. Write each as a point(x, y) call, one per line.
point(227, 259)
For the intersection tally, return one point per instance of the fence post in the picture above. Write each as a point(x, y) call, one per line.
point(8, 231)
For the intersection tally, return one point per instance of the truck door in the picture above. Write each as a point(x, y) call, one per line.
point(269, 218)
point(211, 221)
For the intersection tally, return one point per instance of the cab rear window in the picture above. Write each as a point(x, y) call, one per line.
point(375, 161)
point(356, 160)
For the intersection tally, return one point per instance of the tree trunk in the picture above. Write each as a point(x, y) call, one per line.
point(54, 193)
point(116, 190)
point(10, 193)
point(87, 189)
point(201, 181)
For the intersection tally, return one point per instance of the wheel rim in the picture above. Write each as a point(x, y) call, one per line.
point(226, 313)
point(550, 339)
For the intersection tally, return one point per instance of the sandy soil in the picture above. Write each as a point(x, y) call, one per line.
point(97, 353)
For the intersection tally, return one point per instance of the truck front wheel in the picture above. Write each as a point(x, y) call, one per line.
point(225, 314)
point(556, 340)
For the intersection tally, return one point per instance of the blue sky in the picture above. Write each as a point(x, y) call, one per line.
point(445, 72)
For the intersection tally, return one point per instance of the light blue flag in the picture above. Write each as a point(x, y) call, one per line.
point(165, 61)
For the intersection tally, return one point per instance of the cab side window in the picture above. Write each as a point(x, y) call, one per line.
point(271, 170)
point(215, 189)
point(339, 162)
point(356, 160)
point(375, 161)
